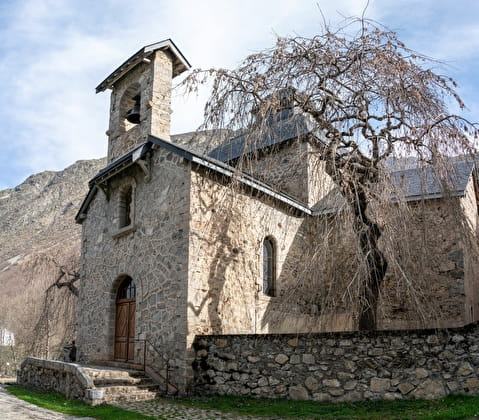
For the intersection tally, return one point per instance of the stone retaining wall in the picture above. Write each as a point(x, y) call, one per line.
point(341, 366)
point(50, 375)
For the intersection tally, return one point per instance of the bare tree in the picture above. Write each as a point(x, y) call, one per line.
point(57, 310)
point(43, 317)
point(369, 97)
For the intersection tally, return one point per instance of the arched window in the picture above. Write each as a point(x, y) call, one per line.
point(269, 267)
point(125, 206)
point(127, 289)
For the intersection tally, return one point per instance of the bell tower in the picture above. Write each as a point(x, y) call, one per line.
point(141, 96)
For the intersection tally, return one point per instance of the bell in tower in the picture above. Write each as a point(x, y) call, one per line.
point(141, 96)
point(133, 115)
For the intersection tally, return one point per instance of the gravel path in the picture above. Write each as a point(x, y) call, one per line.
point(12, 408)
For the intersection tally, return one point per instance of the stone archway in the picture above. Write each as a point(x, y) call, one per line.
point(125, 321)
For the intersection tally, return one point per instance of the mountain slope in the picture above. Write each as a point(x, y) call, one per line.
point(37, 233)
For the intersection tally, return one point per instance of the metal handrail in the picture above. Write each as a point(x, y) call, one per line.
point(146, 342)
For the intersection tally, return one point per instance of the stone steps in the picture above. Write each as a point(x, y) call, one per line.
point(123, 384)
point(117, 364)
point(120, 382)
point(130, 393)
point(136, 381)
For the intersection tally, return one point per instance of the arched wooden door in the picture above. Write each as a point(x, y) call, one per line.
point(125, 320)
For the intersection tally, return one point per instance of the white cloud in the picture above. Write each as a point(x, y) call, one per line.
point(54, 53)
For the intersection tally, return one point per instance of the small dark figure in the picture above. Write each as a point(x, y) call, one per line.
point(73, 352)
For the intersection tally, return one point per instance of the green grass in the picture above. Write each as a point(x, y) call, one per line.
point(454, 407)
point(449, 408)
point(57, 402)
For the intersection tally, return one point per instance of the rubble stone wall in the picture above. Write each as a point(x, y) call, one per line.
point(225, 289)
point(49, 375)
point(338, 367)
point(471, 253)
point(424, 245)
point(294, 168)
point(285, 168)
point(425, 248)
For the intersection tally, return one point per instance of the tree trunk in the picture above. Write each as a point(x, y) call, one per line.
point(356, 190)
point(368, 234)
point(376, 270)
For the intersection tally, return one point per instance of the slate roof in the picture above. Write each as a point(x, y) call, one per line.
point(204, 161)
point(412, 184)
point(424, 183)
point(286, 125)
point(180, 63)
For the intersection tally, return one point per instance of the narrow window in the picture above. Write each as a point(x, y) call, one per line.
point(268, 267)
point(126, 200)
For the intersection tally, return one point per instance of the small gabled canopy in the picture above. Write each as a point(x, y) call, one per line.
point(114, 168)
point(180, 63)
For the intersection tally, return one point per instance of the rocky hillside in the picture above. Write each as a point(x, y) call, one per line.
point(39, 213)
point(37, 225)
point(41, 210)
point(38, 235)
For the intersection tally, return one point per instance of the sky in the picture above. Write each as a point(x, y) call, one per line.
point(53, 53)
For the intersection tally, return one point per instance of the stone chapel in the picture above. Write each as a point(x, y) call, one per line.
point(178, 242)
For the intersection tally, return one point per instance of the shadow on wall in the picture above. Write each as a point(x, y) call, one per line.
point(319, 270)
point(321, 276)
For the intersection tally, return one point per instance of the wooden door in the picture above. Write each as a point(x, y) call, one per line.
point(125, 321)
point(131, 331)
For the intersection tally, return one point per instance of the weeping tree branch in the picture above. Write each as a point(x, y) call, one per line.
point(66, 278)
point(369, 98)
point(56, 308)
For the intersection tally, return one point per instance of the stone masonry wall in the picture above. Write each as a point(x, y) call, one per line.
point(471, 253)
point(153, 80)
point(294, 168)
point(153, 251)
point(285, 167)
point(227, 230)
point(425, 246)
point(341, 366)
point(48, 375)
point(227, 227)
